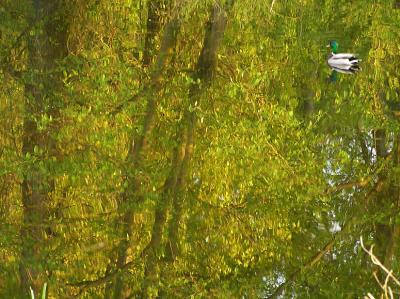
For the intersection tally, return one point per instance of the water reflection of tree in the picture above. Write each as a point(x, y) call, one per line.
point(280, 159)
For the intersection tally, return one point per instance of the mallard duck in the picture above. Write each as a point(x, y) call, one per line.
point(342, 62)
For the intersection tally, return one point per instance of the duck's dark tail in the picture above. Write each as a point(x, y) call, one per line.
point(355, 68)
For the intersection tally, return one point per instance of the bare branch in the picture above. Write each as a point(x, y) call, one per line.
point(387, 290)
point(376, 261)
point(272, 6)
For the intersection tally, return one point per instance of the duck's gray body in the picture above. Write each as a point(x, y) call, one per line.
point(342, 59)
point(344, 62)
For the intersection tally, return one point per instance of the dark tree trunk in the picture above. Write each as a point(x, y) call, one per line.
point(152, 251)
point(387, 231)
point(382, 231)
point(134, 159)
point(44, 49)
point(205, 69)
point(176, 182)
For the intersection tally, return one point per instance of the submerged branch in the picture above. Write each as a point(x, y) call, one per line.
point(84, 285)
point(328, 246)
point(311, 262)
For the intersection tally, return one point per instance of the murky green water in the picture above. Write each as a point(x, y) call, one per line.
point(198, 149)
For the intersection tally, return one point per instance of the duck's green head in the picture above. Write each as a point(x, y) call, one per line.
point(334, 46)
